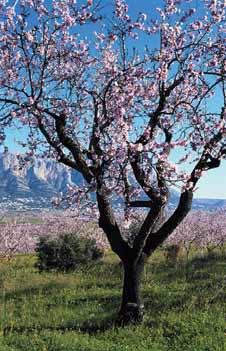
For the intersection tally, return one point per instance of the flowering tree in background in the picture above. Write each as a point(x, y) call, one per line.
point(190, 232)
point(114, 103)
point(200, 230)
point(212, 231)
point(21, 235)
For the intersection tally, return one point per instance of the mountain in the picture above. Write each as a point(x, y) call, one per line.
point(34, 185)
point(198, 203)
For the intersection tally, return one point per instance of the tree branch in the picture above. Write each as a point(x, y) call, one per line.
point(156, 239)
point(108, 223)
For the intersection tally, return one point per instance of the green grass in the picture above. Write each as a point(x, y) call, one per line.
point(185, 310)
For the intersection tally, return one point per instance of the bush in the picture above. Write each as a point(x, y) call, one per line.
point(66, 252)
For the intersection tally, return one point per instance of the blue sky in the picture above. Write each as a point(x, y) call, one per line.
point(213, 183)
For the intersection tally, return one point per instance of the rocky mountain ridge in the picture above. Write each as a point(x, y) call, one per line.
point(34, 185)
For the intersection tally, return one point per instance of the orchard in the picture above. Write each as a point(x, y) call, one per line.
point(21, 234)
point(203, 231)
point(130, 101)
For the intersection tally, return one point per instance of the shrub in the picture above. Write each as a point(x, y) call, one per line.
point(66, 252)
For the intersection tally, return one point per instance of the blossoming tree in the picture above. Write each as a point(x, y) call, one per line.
point(202, 230)
point(118, 100)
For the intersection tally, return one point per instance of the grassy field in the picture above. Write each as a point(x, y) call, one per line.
point(75, 311)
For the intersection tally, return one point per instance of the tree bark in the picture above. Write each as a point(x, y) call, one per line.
point(132, 309)
point(134, 258)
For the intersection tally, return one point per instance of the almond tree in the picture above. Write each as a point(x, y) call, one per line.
point(200, 230)
point(212, 234)
point(113, 96)
point(21, 235)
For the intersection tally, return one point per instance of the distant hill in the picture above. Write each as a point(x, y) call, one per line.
point(33, 186)
point(198, 203)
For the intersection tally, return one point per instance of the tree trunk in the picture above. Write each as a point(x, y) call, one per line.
point(132, 309)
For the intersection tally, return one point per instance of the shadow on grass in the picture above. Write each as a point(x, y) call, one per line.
point(31, 291)
point(98, 320)
point(198, 267)
point(107, 303)
point(156, 302)
point(200, 261)
point(162, 303)
point(90, 326)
